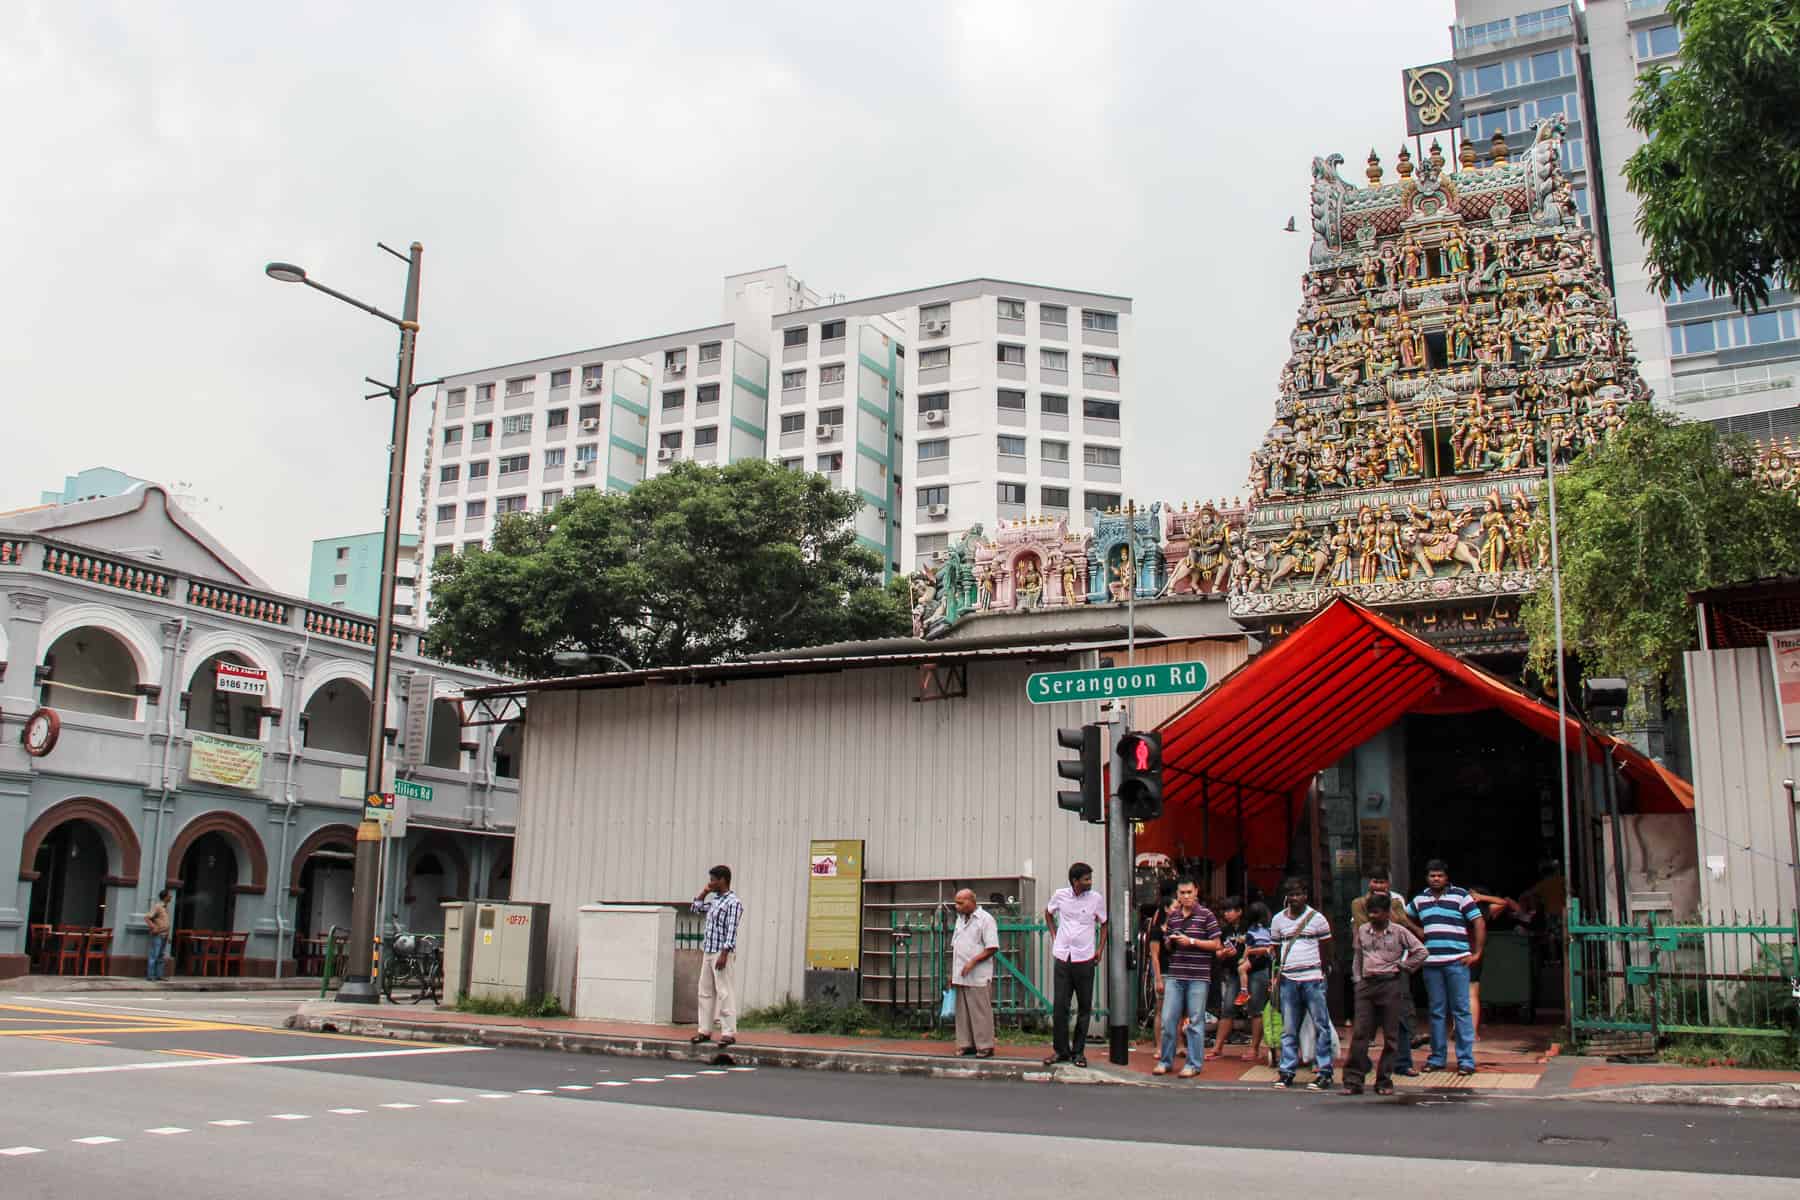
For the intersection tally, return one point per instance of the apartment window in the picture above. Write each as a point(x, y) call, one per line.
point(449, 473)
point(587, 453)
point(478, 470)
point(1053, 360)
point(1053, 497)
point(1054, 406)
point(831, 416)
point(556, 457)
point(453, 435)
point(1692, 292)
point(481, 431)
point(930, 497)
point(1009, 354)
point(521, 385)
point(1053, 314)
point(455, 398)
point(831, 373)
point(518, 424)
point(1658, 41)
point(934, 449)
point(793, 381)
point(1011, 446)
point(706, 393)
point(793, 464)
point(1054, 451)
point(674, 400)
point(675, 361)
point(446, 512)
point(934, 358)
point(706, 435)
point(1574, 154)
point(1099, 322)
point(932, 543)
point(795, 336)
point(670, 441)
point(512, 464)
point(831, 331)
point(556, 418)
point(1103, 501)
point(1011, 493)
point(590, 412)
point(509, 504)
point(550, 499)
point(343, 552)
point(476, 508)
point(709, 352)
point(471, 547)
point(1012, 310)
point(560, 379)
point(1100, 410)
point(793, 422)
point(831, 464)
point(934, 402)
point(1013, 401)
point(444, 549)
point(484, 392)
point(1099, 364)
point(590, 376)
point(1100, 456)
point(934, 318)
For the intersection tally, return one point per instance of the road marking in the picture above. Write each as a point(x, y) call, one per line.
point(166, 1065)
point(94, 1141)
point(613, 1083)
point(69, 1041)
point(678, 1075)
point(496, 1096)
point(94, 1010)
point(448, 1100)
point(167, 1130)
point(712, 1071)
point(399, 1104)
point(199, 1054)
point(228, 1124)
point(575, 1087)
point(288, 1117)
point(648, 1079)
point(740, 1068)
point(348, 1112)
point(16, 1151)
point(534, 1091)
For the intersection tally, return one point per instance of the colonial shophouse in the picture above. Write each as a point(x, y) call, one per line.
point(167, 720)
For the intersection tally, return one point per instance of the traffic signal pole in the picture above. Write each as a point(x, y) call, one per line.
point(1120, 995)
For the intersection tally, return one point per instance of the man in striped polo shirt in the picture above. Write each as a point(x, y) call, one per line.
point(1455, 936)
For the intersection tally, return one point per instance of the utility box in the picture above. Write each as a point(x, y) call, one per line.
point(510, 951)
point(459, 941)
point(625, 962)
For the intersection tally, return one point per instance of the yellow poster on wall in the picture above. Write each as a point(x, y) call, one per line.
point(834, 904)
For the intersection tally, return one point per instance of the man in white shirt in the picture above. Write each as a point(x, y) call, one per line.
point(1299, 931)
point(1077, 919)
point(972, 950)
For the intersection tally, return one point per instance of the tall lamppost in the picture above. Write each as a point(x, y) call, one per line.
point(359, 973)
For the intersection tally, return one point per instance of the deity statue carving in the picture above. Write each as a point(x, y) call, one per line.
point(1328, 191)
point(1294, 553)
point(1542, 171)
point(1440, 537)
point(1028, 586)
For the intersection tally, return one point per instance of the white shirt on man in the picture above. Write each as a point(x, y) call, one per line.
point(1076, 919)
point(974, 933)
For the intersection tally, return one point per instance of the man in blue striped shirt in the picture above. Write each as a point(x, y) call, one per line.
point(1455, 936)
point(718, 951)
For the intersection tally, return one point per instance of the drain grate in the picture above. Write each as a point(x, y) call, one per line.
point(1557, 1139)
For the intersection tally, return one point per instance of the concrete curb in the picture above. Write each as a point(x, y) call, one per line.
point(805, 1058)
point(118, 983)
point(1719, 1095)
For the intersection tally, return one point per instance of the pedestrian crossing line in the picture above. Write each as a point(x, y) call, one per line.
point(575, 1087)
point(399, 1104)
point(94, 1141)
point(712, 1071)
point(289, 1117)
point(484, 1096)
point(534, 1091)
point(678, 1075)
point(647, 1079)
point(614, 1083)
point(167, 1130)
point(449, 1100)
point(229, 1124)
point(348, 1112)
point(20, 1151)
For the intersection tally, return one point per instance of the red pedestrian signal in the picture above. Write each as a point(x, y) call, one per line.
point(1140, 788)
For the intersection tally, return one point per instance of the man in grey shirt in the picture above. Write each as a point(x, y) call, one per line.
point(1385, 954)
point(972, 947)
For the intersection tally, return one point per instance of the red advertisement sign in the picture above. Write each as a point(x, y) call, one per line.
point(1784, 655)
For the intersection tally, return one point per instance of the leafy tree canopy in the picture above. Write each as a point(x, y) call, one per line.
point(1718, 180)
point(1661, 508)
point(698, 564)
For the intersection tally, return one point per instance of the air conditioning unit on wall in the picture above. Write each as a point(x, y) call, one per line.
point(934, 416)
point(938, 510)
point(591, 383)
point(581, 466)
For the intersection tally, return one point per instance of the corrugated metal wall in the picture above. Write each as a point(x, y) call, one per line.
point(1221, 656)
point(1739, 764)
point(631, 794)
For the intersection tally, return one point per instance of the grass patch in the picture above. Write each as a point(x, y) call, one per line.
point(486, 1006)
point(859, 1020)
point(1755, 1053)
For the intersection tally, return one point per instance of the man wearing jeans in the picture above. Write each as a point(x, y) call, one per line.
point(1455, 936)
point(1190, 939)
point(1077, 919)
point(157, 922)
point(1300, 932)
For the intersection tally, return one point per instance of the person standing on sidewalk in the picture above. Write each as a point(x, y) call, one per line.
point(1386, 952)
point(718, 956)
point(1077, 919)
point(1379, 885)
point(1300, 931)
point(972, 950)
point(1455, 936)
point(1190, 940)
point(157, 922)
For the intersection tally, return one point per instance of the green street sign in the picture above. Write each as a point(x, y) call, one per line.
point(421, 792)
point(1111, 683)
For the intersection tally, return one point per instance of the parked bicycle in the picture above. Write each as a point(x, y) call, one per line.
point(415, 965)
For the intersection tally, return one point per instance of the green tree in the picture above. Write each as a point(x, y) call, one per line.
point(1662, 508)
point(1718, 178)
point(698, 564)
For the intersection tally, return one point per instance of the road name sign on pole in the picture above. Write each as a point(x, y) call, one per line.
point(420, 792)
point(1109, 683)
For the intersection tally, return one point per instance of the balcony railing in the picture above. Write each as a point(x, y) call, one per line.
point(106, 572)
point(331, 623)
point(238, 604)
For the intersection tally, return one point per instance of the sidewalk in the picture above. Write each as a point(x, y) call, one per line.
point(1511, 1067)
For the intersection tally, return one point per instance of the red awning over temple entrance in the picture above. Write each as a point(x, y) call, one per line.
point(1256, 738)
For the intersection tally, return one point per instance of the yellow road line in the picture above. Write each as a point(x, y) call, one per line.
point(116, 1029)
point(73, 1041)
point(199, 1054)
point(157, 1025)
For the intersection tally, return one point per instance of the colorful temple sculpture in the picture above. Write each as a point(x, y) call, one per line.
point(1456, 337)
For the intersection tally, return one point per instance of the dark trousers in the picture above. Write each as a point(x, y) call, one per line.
point(1380, 999)
point(1076, 978)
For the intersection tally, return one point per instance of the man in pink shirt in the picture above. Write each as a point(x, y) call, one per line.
point(1077, 919)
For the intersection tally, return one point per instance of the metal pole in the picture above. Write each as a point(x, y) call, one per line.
point(1794, 840)
point(1118, 846)
point(1562, 720)
point(359, 973)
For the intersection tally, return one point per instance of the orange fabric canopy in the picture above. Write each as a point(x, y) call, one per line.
point(1332, 684)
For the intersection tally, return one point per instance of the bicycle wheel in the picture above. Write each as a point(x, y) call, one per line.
point(431, 982)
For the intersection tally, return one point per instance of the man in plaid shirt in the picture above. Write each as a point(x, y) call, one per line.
point(718, 947)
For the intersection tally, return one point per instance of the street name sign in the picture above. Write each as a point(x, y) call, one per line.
point(420, 792)
point(1111, 683)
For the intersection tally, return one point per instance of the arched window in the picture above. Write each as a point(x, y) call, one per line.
point(444, 746)
point(234, 714)
point(507, 748)
point(336, 718)
point(90, 670)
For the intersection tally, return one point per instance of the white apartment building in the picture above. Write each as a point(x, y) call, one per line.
point(997, 399)
point(1522, 61)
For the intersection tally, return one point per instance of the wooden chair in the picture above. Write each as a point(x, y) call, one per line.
point(212, 952)
point(37, 947)
point(181, 949)
point(71, 948)
point(231, 961)
point(97, 953)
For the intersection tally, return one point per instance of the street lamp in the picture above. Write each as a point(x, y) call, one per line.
point(359, 973)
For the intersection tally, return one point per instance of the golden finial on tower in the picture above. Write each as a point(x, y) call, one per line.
point(1374, 171)
point(1466, 156)
point(1499, 145)
point(1405, 164)
point(1437, 154)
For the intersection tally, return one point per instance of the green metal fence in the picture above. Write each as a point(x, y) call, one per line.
point(1737, 976)
point(1022, 970)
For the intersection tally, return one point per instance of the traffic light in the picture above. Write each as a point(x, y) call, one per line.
point(1140, 776)
point(1089, 801)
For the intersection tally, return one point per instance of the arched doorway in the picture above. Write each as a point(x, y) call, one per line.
point(209, 878)
point(323, 883)
point(500, 878)
point(426, 888)
point(444, 745)
point(72, 869)
point(336, 717)
point(508, 748)
point(210, 710)
point(90, 670)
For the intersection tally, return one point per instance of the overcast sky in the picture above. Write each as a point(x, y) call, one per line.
point(586, 173)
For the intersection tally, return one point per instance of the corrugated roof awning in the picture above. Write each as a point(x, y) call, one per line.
point(1334, 683)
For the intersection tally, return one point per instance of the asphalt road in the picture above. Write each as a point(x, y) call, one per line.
point(203, 1095)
